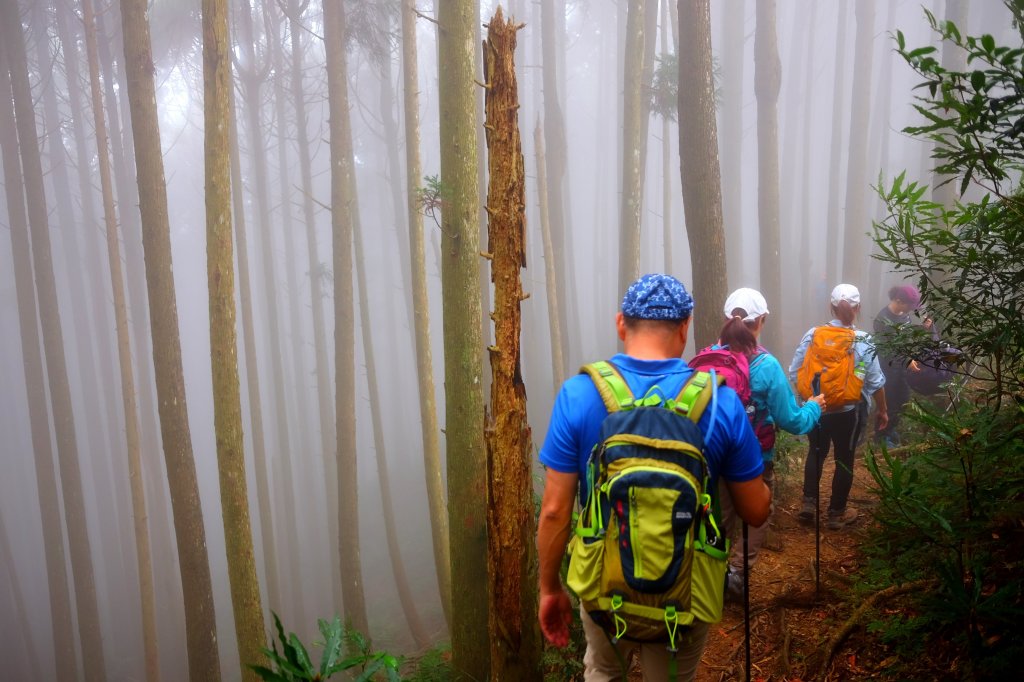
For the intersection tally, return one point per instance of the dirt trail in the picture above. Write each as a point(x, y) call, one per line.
point(789, 626)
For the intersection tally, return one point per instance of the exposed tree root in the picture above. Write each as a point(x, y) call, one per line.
point(840, 635)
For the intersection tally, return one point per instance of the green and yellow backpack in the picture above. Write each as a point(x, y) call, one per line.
point(647, 558)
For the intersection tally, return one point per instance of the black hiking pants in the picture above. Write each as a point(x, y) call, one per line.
point(842, 430)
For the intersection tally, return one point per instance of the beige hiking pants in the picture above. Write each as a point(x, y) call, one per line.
point(600, 664)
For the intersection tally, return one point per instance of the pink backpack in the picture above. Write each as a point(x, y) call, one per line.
point(735, 368)
point(731, 365)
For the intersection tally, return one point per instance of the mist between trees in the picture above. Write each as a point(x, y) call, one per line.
point(245, 308)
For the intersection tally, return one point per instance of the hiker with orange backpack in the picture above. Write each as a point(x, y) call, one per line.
point(772, 405)
point(648, 524)
point(841, 359)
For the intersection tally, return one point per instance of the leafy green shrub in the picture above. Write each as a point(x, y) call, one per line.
point(343, 649)
point(950, 507)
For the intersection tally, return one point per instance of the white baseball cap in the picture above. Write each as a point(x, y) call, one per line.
point(845, 292)
point(749, 300)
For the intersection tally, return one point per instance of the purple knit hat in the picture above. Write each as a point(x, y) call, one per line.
point(906, 294)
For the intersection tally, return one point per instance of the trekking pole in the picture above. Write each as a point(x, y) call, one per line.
point(746, 597)
point(816, 390)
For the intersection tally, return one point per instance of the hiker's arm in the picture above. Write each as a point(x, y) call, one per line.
point(881, 412)
point(553, 530)
point(782, 405)
point(751, 500)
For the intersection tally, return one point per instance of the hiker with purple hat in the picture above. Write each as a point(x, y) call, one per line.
point(904, 299)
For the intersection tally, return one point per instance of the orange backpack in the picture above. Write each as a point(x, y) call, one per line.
point(831, 354)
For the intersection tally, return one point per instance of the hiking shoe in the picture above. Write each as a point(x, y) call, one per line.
point(837, 520)
point(806, 515)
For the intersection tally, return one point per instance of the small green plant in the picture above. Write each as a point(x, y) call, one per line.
point(431, 197)
point(343, 649)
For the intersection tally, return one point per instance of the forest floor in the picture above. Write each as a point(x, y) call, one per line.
point(791, 627)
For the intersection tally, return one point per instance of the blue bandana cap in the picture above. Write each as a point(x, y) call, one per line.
point(657, 297)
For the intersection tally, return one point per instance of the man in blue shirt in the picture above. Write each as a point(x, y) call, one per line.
point(653, 326)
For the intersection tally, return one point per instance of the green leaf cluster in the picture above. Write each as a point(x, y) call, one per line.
point(950, 506)
point(344, 649)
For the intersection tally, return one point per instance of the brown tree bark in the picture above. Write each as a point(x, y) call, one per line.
point(251, 76)
point(632, 174)
point(421, 313)
point(143, 556)
point(698, 156)
point(463, 341)
point(200, 621)
point(342, 207)
point(35, 385)
point(512, 560)
point(227, 401)
point(53, 348)
point(767, 82)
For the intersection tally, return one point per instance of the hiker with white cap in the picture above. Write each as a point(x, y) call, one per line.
point(839, 361)
point(773, 406)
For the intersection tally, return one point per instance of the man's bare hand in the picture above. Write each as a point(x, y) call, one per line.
point(555, 616)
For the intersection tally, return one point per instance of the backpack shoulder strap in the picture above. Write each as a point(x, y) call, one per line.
point(695, 395)
point(614, 390)
point(760, 353)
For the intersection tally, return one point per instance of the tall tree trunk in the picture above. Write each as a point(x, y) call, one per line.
point(143, 557)
point(90, 364)
point(165, 560)
point(97, 433)
point(556, 153)
point(953, 59)
point(855, 226)
point(342, 214)
point(557, 359)
point(463, 342)
point(632, 175)
point(89, 225)
point(835, 198)
point(18, 614)
point(325, 401)
point(252, 75)
point(290, 234)
point(731, 53)
point(227, 401)
point(405, 594)
point(53, 349)
point(512, 560)
point(200, 621)
point(881, 123)
point(39, 419)
point(698, 157)
point(666, 165)
point(803, 315)
point(767, 82)
point(421, 313)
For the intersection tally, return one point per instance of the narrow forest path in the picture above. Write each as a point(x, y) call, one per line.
point(791, 627)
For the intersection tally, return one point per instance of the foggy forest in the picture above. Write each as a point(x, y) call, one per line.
point(288, 289)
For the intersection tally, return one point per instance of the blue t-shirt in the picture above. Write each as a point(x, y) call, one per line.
point(730, 449)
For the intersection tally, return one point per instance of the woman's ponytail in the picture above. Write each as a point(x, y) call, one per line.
point(737, 335)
